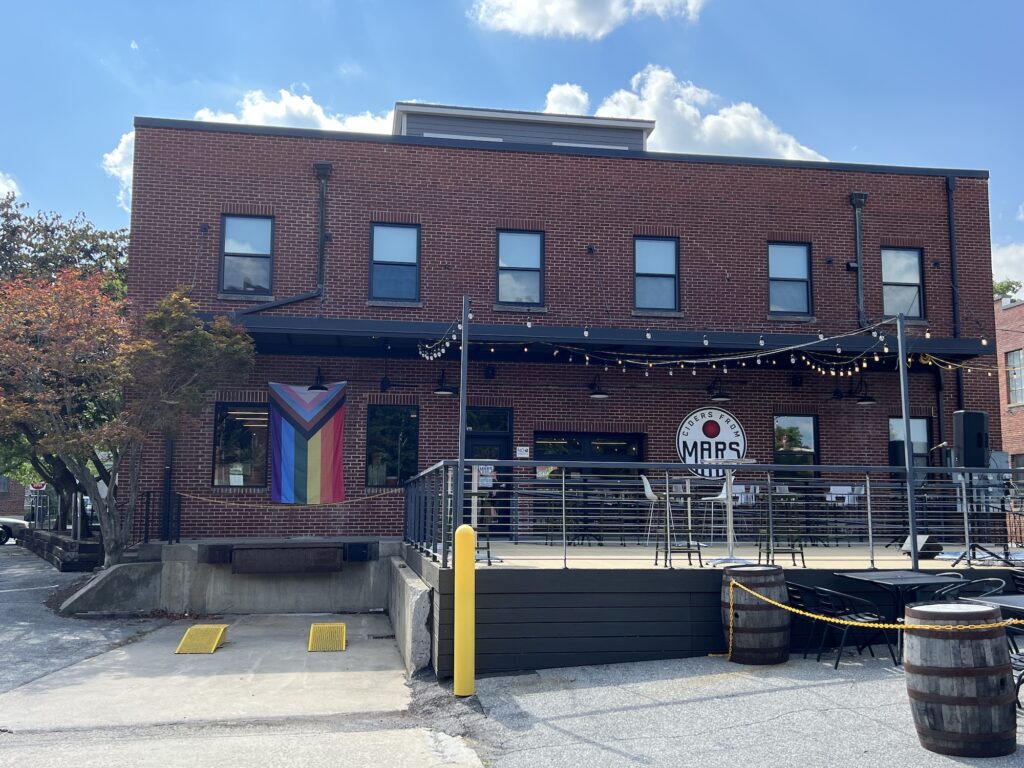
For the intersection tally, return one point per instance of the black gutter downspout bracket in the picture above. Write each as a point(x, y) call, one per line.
point(858, 200)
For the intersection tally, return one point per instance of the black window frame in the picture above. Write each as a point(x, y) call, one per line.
point(499, 269)
point(1014, 377)
point(815, 455)
point(922, 459)
point(636, 275)
point(416, 266)
point(587, 439)
point(367, 459)
point(225, 404)
point(223, 253)
point(922, 307)
point(808, 281)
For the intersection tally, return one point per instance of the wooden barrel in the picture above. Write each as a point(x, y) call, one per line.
point(760, 630)
point(959, 681)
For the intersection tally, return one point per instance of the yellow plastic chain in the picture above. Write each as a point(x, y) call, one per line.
point(849, 622)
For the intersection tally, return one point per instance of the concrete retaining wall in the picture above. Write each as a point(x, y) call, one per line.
point(181, 584)
point(409, 609)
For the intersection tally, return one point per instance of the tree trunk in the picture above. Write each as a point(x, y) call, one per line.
point(115, 534)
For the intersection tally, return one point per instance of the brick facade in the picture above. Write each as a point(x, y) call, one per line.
point(722, 214)
point(1010, 338)
point(12, 501)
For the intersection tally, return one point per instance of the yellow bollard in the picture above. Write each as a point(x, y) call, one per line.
point(465, 611)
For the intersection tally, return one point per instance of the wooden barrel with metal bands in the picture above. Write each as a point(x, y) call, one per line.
point(760, 631)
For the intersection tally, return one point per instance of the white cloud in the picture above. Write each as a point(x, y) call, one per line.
point(1020, 212)
point(567, 99)
point(1008, 261)
point(133, 45)
point(118, 163)
point(591, 19)
point(255, 108)
point(686, 121)
point(8, 185)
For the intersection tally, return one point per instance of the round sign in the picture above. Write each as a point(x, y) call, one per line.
point(38, 486)
point(710, 434)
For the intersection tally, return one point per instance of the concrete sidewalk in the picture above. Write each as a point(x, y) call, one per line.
point(706, 712)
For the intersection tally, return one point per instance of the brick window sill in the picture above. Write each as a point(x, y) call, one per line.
point(260, 299)
point(398, 304)
point(774, 317)
point(514, 308)
point(656, 313)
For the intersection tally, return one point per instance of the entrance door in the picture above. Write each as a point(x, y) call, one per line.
point(494, 514)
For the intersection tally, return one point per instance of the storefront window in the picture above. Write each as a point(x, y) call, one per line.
point(557, 447)
point(240, 445)
point(488, 420)
point(392, 444)
point(796, 440)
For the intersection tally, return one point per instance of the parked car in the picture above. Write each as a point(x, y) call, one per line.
point(9, 526)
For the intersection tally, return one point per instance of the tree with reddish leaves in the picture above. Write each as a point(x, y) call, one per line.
point(69, 353)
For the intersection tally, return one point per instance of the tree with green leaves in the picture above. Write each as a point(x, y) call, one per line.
point(1006, 287)
point(91, 385)
point(40, 245)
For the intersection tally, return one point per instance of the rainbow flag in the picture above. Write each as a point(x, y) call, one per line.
point(307, 438)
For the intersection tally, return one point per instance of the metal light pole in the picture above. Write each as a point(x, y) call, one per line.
point(463, 380)
point(908, 445)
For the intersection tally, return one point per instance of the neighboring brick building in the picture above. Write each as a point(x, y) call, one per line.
point(609, 255)
point(12, 498)
point(1010, 356)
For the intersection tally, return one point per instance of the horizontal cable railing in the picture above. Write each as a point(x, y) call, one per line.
point(540, 514)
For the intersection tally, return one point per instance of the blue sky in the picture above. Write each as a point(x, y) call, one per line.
point(934, 83)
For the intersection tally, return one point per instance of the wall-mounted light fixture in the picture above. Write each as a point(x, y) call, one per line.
point(318, 383)
point(442, 389)
point(717, 393)
point(596, 392)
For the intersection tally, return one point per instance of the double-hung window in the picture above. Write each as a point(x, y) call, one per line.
point(395, 257)
point(656, 273)
point(796, 440)
point(902, 285)
point(247, 254)
point(521, 268)
point(1015, 377)
point(918, 438)
point(789, 278)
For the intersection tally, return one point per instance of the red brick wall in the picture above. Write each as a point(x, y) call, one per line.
point(12, 503)
point(723, 215)
point(1009, 337)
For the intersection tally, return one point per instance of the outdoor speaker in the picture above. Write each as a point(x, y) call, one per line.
point(970, 439)
point(926, 549)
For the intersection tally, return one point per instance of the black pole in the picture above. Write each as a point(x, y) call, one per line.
point(165, 525)
point(145, 520)
point(463, 376)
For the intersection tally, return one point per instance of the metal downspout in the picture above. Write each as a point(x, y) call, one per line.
point(858, 201)
point(323, 173)
point(954, 279)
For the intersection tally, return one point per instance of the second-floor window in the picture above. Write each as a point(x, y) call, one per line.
point(395, 256)
point(1015, 377)
point(656, 273)
point(789, 278)
point(520, 268)
point(901, 282)
point(247, 254)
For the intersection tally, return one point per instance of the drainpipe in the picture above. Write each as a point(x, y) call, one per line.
point(858, 200)
point(168, 488)
point(323, 173)
point(940, 411)
point(954, 279)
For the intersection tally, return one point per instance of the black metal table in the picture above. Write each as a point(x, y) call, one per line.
point(1013, 603)
point(901, 583)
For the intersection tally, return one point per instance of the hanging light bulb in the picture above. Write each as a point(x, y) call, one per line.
point(874, 333)
point(877, 358)
point(525, 350)
point(760, 341)
point(469, 315)
point(647, 373)
point(586, 331)
point(705, 339)
point(839, 350)
point(821, 336)
point(927, 333)
point(529, 323)
point(885, 349)
point(693, 372)
point(984, 341)
point(671, 372)
point(758, 359)
point(647, 333)
point(792, 359)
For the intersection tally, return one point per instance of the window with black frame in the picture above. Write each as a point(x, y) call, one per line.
point(395, 262)
point(796, 440)
point(240, 445)
point(656, 278)
point(392, 444)
point(558, 447)
point(520, 268)
point(789, 278)
point(918, 438)
point(247, 254)
point(902, 282)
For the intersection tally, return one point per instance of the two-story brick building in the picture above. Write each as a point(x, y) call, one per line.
point(614, 291)
point(1009, 322)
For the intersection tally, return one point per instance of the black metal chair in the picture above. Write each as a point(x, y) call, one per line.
point(840, 605)
point(804, 598)
point(975, 588)
point(1018, 579)
point(1017, 664)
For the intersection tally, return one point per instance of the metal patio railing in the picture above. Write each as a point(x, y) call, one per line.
point(557, 514)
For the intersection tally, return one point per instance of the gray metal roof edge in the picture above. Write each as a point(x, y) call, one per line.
point(491, 113)
point(381, 138)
